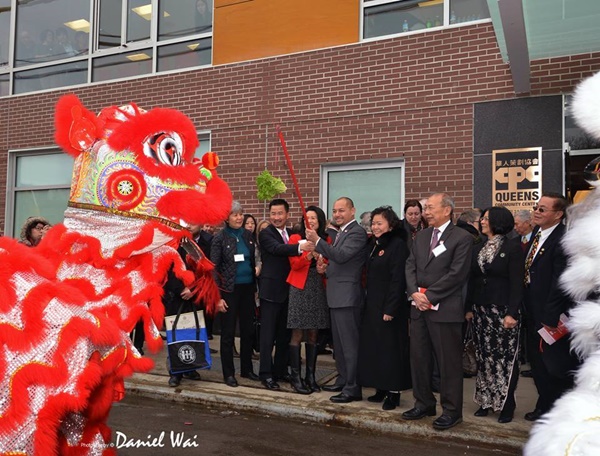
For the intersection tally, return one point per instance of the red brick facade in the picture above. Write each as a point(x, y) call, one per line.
point(409, 97)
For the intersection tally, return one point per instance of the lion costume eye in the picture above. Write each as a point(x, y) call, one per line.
point(165, 148)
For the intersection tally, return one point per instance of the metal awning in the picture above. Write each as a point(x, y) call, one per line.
point(528, 30)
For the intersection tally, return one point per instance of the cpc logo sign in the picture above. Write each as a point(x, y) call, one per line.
point(513, 176)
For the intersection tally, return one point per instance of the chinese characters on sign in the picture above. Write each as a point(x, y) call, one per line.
point(517, 181)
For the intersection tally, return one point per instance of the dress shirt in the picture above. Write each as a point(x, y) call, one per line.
point(545, 234)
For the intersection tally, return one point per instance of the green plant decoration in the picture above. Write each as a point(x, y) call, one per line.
point(268, 186)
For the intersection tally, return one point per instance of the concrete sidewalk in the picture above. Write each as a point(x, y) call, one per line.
point(252, 397)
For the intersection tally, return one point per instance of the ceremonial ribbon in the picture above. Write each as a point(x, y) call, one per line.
point(293, 174)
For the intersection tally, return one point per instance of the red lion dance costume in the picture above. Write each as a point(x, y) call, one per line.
point(68, 305)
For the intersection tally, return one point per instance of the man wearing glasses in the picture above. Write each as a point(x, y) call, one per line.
point(545, 302)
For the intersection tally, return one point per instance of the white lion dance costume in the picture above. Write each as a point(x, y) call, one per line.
point(67, 306)
point(572, 427)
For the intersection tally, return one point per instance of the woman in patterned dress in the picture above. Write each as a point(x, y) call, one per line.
point(307, 308)
point(495, 295)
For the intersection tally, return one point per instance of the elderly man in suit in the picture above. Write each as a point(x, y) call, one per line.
point(545, 301)
point(523, 228)
point(436, 272)
point(273, 293)
point(346, 257)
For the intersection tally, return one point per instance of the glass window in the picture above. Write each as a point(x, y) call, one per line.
point(468, 10)
point(368, 185)
point(399, 17)
point(4, 31)
point(4, 84)
point(184, 55)
point(46, 30)
point(204, 146)
point(175, 19)
point(50, 77)
point(41, 187)
point(138, 20)
point(109, 23)
point(43, 170)
point(118, 66)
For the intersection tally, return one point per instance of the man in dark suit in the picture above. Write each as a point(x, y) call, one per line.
point(523, 228)
point(436, 272)
point(545, 302)
point(273, 291)
point(346, 257)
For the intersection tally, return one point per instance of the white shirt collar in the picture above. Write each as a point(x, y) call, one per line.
point(443, 227)
point(346, 225)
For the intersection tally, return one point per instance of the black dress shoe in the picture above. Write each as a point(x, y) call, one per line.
point(417, 413)
point(535, 415)
point(344, 398)
point(193, 375)
point(250, 376)
point(231, 381)
point(213, 351)
point(505, 418)
point(392, 400)
point(174, 380)
point(527, 373)
point(332, 388)
point(481, 412)
point(446, 422)
point(270, 384)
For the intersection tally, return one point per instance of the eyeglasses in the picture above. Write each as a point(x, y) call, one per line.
point(541, 210)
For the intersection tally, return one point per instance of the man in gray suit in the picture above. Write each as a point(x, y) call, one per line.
point(344, 295)
point(436, 272)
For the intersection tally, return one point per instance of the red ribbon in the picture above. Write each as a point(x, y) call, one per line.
point(293, 174)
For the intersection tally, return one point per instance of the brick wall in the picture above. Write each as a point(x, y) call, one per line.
point(409, 97)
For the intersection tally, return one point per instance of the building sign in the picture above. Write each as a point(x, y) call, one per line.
point(517, 182)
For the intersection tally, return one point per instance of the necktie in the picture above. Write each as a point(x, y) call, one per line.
point(284, 236)
point(531, 256)
point(524, 240)
point(337, 238)
point(434, 241)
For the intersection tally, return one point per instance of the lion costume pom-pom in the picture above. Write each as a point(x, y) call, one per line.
point(572, 427)
point(69, 304)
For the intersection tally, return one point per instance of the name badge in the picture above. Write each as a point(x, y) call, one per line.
point(238, 257)
point(439, 250)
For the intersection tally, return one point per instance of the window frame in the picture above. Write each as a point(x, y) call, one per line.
point(366, 4)
point(12, 189)
point(126, 47)
point(363, 165)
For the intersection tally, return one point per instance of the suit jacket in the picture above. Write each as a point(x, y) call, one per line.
point(502, 282)
point(344, 271)
point(443, 276)
point(272, 285)
point(545, 300)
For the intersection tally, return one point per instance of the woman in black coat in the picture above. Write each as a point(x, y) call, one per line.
point(383, 355)
point(495, 295)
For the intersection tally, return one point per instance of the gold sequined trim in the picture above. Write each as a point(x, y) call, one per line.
point(93, 207)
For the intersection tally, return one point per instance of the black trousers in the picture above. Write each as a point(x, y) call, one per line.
point(240, 303)
point(549, 387)
point(274, 332)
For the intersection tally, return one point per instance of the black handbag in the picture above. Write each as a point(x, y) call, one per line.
point(187, 347)
point(469, 361)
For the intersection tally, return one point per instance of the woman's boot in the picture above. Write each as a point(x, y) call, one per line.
point(311, 368)
point(392, 400)
point(296, 377)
